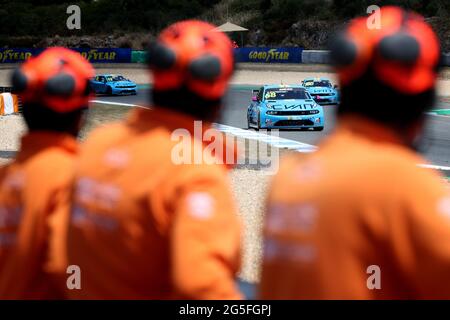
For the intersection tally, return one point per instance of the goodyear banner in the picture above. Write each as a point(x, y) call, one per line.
point(13, 55)
point(102, 55)
point(268, 55)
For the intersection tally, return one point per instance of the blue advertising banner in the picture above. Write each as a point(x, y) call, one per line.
point(268, 55)
point(105, 55)
point(12, 55)
point(102, 55)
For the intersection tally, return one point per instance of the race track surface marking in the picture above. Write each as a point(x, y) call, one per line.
point(270, 139)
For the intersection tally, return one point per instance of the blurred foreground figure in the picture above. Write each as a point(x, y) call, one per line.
point(358, 219)
point(34, 189)
point(144, 226)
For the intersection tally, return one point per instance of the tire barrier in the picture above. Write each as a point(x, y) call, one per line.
point(9, 103)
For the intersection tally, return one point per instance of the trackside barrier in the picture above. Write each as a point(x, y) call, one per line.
point(275, 55)
point(446, 59)
point(138, 56)
point(248, 54)
point(316, 56)
point(9, 103)
point(15, 98)
point(323, 57)
point(245, 54)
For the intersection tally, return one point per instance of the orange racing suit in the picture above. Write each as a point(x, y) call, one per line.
point(358, 219)
point(144, 227)
point(34, 193)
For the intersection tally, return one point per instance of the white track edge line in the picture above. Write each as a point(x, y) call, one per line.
point(297, 146)
point(118, 104)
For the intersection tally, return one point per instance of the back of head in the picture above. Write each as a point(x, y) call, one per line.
point(54, 89)
point(191, 64)
point(387, 72)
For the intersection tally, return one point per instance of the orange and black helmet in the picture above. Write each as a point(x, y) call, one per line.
point(192, 55)
point(57, 79)
point(403, 51)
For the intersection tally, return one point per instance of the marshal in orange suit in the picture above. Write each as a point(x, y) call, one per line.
point(35, 187)
point(144, 226)
point(359, 219)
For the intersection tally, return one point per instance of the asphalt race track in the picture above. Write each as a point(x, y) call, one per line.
point(435, 145)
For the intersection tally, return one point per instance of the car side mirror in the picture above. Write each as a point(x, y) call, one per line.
point(255, 95)
point(335, 86)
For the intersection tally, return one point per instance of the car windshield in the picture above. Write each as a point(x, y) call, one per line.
point(286, 94)
point(115, 78)
point(322, 83)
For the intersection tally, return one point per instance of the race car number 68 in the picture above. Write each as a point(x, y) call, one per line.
point(247, 309)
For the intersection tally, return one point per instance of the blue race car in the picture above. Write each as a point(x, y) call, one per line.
point(112, 84)
point(321, 90)
point(284, 107)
